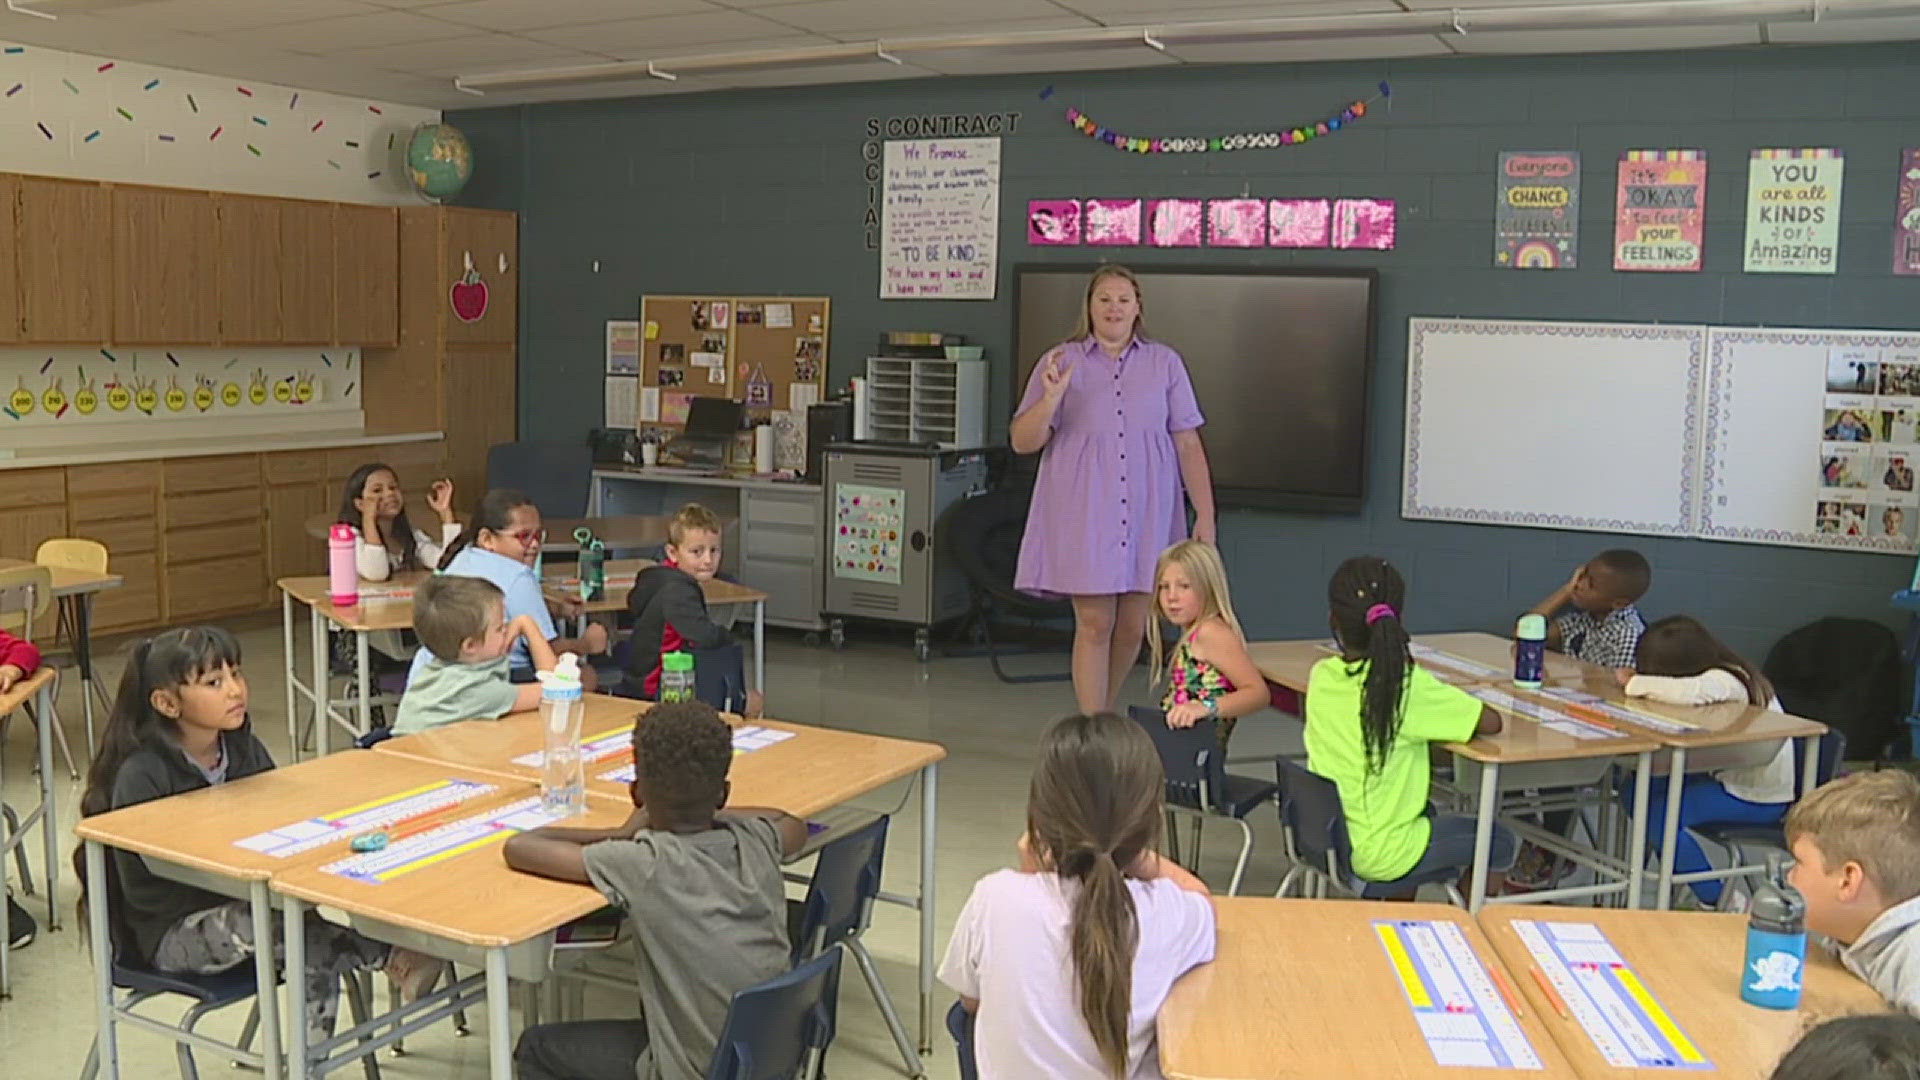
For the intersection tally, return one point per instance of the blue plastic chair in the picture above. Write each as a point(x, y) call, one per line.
point(960, 1026)
point(1198, 784)
point(837, 909)
point(557, 476)
point(1316, 830)
point(774, 1028)
point(1738, 838)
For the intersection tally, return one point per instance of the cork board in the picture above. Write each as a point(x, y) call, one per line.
point(767, 351)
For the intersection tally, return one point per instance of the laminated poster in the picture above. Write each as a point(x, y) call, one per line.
point(1793, 211)
point(1660, 215)
point(1906, 215)
point(1536, 220)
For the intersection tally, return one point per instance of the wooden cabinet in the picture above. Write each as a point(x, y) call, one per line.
point(212, 564)
point(487, 237)
point(32, 509)
point(366, 273)
point(306, 273)
point(480, 409)
point(10, 258)
point(163, 262)
point(291, 550)
point(115, 504)
point(65, 260)
point(250, 267)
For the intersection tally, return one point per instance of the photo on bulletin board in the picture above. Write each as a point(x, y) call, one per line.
point(763, 351)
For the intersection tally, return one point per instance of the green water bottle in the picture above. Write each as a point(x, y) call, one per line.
point(676, 677)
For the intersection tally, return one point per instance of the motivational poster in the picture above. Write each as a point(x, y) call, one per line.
point(1536, 219)
point(1660, 215)
point(1906, 215)
point(1793, 211)
point(940, 216)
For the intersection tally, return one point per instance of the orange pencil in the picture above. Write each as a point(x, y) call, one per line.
point(420, 823)
point(1506, 991)
point(1553, 996)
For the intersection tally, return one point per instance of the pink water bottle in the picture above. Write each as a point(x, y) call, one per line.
point(343, 580)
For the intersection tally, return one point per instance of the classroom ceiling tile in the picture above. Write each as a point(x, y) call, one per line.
point(715, 31)
point(518, 15)
point(1025, 61)
point(323, 36)
point(1171, 11)
point(880, 71)
point(212, 16)
point(1272, 52)
point(467, 56)
point(1839, 30)
point(1574, 41)
point(858, 20)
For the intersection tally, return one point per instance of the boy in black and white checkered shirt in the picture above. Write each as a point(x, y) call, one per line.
point(1603, 628)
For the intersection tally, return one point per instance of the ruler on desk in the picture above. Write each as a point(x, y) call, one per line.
point(302, 836)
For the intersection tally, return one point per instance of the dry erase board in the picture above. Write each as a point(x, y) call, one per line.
point(1554, 425)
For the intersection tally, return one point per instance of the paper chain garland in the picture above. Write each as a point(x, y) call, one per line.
point(1252, 140)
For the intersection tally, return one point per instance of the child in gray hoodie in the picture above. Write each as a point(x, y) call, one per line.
point(1856, 850)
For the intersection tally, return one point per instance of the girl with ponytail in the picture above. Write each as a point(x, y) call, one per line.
point(1370, 714)
point(1066, 961)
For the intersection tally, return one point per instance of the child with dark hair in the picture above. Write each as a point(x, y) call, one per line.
point(1066, 961)
point(1371, 712)
point(385, 541)
point(1603, 626)
point(703, 888)
point(1885, 1046)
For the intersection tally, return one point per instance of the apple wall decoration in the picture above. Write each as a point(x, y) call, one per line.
point(469, 294)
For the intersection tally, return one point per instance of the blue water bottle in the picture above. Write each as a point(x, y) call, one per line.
point(1776, 941)
point(1530, 652)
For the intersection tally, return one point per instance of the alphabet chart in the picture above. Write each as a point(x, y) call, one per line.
point(1431, 657)
point(1548, 717)
point(592, 748)
point(1581, 701)
point(745, 741)
point(302, 836)
point(1606, 998)
point(1465, 1019)
point(445, 842)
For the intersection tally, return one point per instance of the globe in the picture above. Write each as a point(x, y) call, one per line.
point(439, 161)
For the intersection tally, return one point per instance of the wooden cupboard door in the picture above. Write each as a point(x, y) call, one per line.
point(482, 411)
point(22, 531)
point(65, 260)
point(291, 550)
point(163, 262)
point(366, 274)
point(136, 603)
point(486, 235)
point(306, 272)
point(250, 263)
point(10, 258)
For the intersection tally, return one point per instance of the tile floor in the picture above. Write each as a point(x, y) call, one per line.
point(990, 730)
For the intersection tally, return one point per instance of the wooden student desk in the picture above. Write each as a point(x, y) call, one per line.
point(619, 532)
point(384, 605)
point(1692, 963)
point(38, 688)
point(75, 590)
point(1532, 755)
point(191, 838)
point(620, 575)
point(1304, 989)
point(816, 770)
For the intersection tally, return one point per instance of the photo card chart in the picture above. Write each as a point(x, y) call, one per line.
point(1812, 438)
point(1461, 1012)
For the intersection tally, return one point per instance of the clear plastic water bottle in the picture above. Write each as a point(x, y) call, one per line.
point(563, 782)
point(1776, 941)
point(1530, 652)
point(676, 677)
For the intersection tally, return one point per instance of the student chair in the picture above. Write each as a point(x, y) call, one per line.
point(1737, 839)
point(69, 553)
point(775, 1030)
point(1318, 847)
point(26, 592)
point(960, 1026)
point(1198, 784)
point(982, 536)
point(556, 476)
point(837, 909)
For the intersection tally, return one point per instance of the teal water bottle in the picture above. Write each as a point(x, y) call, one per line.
point(676, 677)
point(1530, 652)
point(1776, 941)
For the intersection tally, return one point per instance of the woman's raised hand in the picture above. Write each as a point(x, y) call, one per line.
point(1055, 376)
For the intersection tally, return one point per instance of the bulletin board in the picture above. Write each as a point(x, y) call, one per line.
point(769, 352)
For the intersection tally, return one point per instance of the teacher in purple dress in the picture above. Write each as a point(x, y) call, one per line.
point(1113, 416)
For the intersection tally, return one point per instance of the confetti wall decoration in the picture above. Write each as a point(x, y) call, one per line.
point(101, 118)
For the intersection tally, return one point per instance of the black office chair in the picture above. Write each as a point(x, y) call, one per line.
point(982, 536)
point(960, 1026)
point(556, 476)
point(1198, 784)
point(1318, 846)
point(775, 1028)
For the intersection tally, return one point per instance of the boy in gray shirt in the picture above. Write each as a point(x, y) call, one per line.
point(460, 672)
point(704, 890)
point(1856, 850)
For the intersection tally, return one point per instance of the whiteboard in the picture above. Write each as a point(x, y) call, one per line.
point(1555, 425)
point(1812, 438)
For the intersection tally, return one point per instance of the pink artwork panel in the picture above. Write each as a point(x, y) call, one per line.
point(1053, 222)
point(1363, 223)
point(1113, 222)
point(1299, 223)
point(1237, 223)
point(1174, 222)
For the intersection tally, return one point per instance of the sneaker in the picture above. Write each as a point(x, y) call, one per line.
point(20, 925)
point(414, 973)
point(1537, 868)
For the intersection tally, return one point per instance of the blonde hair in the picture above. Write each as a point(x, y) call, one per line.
point(1870, 818)
point(691, 518)
point(1112, 270)
point(1203, 566)
point(449, 610)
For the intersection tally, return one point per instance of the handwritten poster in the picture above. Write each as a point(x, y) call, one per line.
point(1906, 215)
point(1793, 211)
point(1661, 213)
point(1536, 220)
point(939, 220)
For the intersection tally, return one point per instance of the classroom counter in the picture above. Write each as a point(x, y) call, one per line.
point(33, 457)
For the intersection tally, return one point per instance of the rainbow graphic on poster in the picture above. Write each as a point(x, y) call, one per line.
point(1536, 220)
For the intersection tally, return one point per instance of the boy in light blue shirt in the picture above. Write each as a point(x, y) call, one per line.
point(461, 670)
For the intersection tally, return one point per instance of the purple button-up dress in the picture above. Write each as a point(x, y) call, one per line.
point(1109, 498)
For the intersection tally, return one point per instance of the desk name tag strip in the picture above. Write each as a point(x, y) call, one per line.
point(1456, 665)
point(595, 748)
point(1461, 1013)
point(444, 842)
point(1625, 713)
point(1607, 998)
point(1548, 717)
point(304, 836)
point(745, 741)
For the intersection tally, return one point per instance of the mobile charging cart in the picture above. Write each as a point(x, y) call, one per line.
point(882, 502)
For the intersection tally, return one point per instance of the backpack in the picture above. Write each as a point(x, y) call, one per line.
point(1847, 674)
